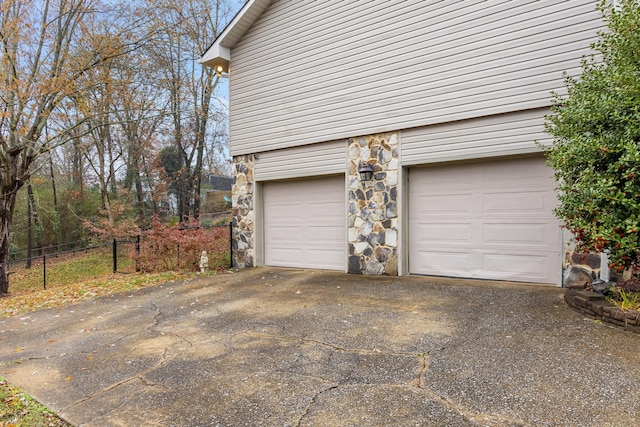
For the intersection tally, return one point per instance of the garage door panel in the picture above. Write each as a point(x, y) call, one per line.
point(285, 257)
point(514, 265)
point(522, 234)
point(445, 232)
point(327, 234)
point(522, 173)
point(512, 202)
point(325, 259)
point(286, 212)
point(496, 223)
point(461, 180)
point(304, 223)
point(326, 212)
point(284, 233)
point(443, 262)
point(450, 203)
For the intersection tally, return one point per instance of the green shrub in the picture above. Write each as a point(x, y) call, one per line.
point(596, 149)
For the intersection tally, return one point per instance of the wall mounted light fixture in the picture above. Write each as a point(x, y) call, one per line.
point(366, 171)
point(221, 71)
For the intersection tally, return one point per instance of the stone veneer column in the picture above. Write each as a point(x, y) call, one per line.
point(373, 205)
point(243, 214)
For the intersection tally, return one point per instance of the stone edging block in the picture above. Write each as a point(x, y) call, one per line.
point(594, 306)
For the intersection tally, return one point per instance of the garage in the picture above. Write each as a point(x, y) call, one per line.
point(488, 220)
point(305, 223)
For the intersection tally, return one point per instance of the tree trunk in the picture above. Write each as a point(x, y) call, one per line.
point(4, 266)
point(78, 171)
point(106, 204)
point(6, 213)
point(202, 118)
point(112, 171)
point(33, 217)
point(197, 176)
point(184, 194)
point(139, 198)
point(29, 236)
point(149, 180)
point(197, 188)
point(133, 179)
point(56, 211)
point(53, 185)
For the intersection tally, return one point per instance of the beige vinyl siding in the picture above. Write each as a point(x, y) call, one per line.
point(312, 71)
point(240, 26)
point(493, 136)
point(309, 160)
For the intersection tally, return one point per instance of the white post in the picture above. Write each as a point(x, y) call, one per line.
point(604, 267)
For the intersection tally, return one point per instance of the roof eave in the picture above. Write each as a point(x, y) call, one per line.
point(219, 53)
point(216, 55)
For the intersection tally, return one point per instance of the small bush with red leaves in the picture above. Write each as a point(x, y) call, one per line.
point(179, 247)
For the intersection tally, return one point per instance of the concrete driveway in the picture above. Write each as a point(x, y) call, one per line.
point(281, 347)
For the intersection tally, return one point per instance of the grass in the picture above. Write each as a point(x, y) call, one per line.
point(24, 300)
point(626, 294)
point(628, 301)
point(63, 270)
point(19, 409)
point(70, 279)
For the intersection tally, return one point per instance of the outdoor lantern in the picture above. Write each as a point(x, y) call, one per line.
point(366, 172)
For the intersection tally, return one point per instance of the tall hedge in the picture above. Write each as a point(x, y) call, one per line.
point(596, 131)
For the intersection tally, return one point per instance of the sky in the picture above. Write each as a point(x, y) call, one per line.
point(222, 92)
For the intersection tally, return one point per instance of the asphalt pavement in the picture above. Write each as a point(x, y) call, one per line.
point(284, 347)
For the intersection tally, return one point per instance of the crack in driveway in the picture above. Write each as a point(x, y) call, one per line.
point(166, 357)
point(418, 383)
point(312, 402)
point(324, 344)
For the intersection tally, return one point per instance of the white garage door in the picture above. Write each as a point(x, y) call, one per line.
point(489, 220)
point(305, 223)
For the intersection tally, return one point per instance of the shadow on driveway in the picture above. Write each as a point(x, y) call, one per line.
point(282, 347)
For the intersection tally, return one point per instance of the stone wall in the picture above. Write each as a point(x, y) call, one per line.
point(243, 212)
point(581, 268)
point(373, 206)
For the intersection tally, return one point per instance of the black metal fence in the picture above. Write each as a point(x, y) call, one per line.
point(50, 268)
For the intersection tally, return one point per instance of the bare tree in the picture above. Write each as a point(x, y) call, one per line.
point(139, 113)
point(193, 24)
point(46, 48)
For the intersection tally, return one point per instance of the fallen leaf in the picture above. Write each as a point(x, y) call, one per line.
point(69, 378)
